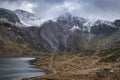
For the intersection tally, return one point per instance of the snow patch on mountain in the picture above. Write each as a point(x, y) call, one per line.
point(75, 28)
point(98, 22)
point(27, 18)
point(89, 23)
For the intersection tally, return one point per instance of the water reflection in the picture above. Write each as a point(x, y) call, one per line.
point(18, 68)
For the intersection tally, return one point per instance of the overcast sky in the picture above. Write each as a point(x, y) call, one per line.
point(93, 9)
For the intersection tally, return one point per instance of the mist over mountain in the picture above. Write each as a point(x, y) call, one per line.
point(8, 15)
point(27, 18)
point(49, 9)
point(66, 33)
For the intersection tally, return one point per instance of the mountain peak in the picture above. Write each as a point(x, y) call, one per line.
point(69, 18)
point(28, 18)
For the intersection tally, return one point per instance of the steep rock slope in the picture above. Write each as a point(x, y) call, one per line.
point(9, 15)
point(67, 33)
point(27, 18)
point(12, 41)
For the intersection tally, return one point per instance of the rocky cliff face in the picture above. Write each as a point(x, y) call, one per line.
point(69, 34)
point(65, 34)
point(8, 15)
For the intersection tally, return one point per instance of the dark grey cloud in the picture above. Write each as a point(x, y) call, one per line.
point(47, 9)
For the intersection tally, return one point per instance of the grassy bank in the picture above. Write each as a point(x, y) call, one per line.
point(78, 67)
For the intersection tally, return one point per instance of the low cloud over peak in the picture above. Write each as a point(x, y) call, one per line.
point(47, 9)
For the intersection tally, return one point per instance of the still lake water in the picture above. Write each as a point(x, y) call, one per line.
point(16, 68)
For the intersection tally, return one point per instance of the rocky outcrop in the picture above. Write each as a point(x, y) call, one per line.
point(8, 15)
point(104, 29)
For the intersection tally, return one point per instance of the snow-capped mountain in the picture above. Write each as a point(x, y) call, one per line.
point(66, 33)
point(70, 22)
point(90, 23)
point(27, 18)
point(97, 22)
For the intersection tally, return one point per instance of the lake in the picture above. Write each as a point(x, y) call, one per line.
point(16, 68)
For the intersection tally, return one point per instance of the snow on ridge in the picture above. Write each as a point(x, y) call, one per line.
point(75, 28)
point(109, 23)
point(97, 22)
point(5, 20)
point(31, 23)
point(89, 23)
point(28, 19)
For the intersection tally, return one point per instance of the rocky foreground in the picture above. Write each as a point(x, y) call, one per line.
point(85, 66)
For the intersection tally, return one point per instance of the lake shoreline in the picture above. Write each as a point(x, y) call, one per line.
point(68, 67)
point(19, 68)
